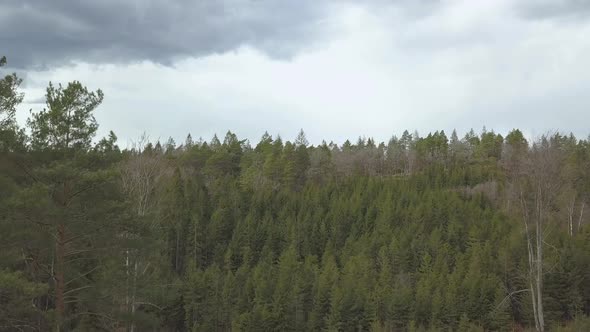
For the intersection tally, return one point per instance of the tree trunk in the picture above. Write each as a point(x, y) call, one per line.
point(539, 280)
point(581, 215)
point(176, 256)
point(133, 304)
point(127, 280)
point(535, 256)
point(59, 276)
point(195, 244)
point(570, 211)
point(539, 259)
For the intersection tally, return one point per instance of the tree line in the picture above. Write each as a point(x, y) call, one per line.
point(420, 233)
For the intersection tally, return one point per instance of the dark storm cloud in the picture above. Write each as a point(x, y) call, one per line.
point(38, 33)
point(554, 9)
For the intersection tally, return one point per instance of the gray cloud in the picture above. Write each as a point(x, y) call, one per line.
point(374, 68)
point(40, 33)
point(554, 9)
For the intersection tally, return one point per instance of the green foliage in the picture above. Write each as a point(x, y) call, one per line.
point(22, 301)
point(68, 121)
point(10, 97)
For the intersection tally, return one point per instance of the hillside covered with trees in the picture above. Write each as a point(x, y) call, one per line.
point(434, 232)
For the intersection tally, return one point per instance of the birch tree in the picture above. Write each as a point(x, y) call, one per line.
point(140, 175)
point(536, 180)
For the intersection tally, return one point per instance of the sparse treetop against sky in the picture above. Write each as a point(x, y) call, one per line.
point(338, 69)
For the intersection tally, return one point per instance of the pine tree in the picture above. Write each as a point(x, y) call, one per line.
point(65, 179)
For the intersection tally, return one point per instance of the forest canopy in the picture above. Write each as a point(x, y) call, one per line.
point(433, 232)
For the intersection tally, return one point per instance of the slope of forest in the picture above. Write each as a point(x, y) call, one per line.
point(433, 233)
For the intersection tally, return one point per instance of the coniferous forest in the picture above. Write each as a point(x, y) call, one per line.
point(424, 232)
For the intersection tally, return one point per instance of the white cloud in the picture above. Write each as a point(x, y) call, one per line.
point(467, 64)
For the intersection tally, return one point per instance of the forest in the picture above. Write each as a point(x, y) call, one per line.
point(431, 232)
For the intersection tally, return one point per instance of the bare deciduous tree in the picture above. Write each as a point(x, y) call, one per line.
point(536, 183)
point(140, 175)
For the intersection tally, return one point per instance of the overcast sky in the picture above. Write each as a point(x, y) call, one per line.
point(337, 69)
